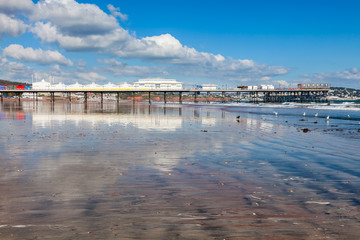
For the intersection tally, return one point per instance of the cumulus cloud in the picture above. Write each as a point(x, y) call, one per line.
point(163, 48)
point(49, 32)
point(282, 83)
point(13, 6)
point(14, 70)
point(10, 26)
point(35, 55)
point(117, 68)
point(265, 78)
point(75, 19)
point(167, 49)
point(347, 78)
point(90, 76)
point(116, 12)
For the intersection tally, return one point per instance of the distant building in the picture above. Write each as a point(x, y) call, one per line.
point(209, 86)
point(42, 85)
point(75, 86)
point(93, 86)
point(59, 86)
point(267, 87)
point(125, 86)
point(110, 86)
point(158, 84)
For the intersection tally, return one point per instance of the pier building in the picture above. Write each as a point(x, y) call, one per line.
point(158, 84)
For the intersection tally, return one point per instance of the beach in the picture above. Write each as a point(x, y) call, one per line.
point(191, 171)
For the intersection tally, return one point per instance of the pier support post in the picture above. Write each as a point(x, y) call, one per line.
point(208, 97)
point(133, 97)
point(164, 97)
point(85, 97)
point(195, 100)
point(19, 97)
point(223, 97)
point(52, 97)
point(69, 96)
point(2, 97)
point(149, 97)
point(118, 97)
point(102, 97)
point(180, 97)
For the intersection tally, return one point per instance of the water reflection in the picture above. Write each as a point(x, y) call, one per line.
point(160, 172)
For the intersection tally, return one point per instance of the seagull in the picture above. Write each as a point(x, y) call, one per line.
point(238, 117)
point(327, 118)
point(316, 114)
point(304, 114)
point(275, 113)
point(348, 116)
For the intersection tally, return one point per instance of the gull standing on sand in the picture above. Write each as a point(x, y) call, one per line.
point(275, 113)
point(304, 114)
point(316, 114)
point(327, 118)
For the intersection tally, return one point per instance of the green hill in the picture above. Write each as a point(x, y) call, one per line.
point(5, 82)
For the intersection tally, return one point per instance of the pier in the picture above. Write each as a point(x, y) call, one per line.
point(256, 96)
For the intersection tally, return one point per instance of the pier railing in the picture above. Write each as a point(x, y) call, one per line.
point(256, 95)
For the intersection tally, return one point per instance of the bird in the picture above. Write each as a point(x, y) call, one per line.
point(348, 116)
point(238, 117)
point(304, 114)
point(275, 113)
point(327, 118)
point(316, 114)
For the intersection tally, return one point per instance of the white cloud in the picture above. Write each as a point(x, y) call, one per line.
point(48, 32)
point(15, 71)
point(90, 76)
point(13, 6)
point(117, 68)
point(116, 12)
point(265, 78)
point(10, 26)
point(282, 83)
point(37, 56)
point(167, 49)
point(164, 48)
point(75, 19)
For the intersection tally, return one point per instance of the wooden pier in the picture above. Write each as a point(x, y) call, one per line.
point(259, 95)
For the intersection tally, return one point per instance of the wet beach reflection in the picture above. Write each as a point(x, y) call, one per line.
point(139, 171)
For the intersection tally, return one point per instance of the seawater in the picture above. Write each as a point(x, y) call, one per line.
point(140, 171)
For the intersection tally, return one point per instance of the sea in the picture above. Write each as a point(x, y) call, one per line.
point(179, 171)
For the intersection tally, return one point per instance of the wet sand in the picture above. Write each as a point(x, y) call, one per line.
point(174, 172)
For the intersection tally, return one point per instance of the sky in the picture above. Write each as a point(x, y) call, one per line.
point(228, 42)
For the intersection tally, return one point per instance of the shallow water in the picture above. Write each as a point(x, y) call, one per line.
point(176, 172)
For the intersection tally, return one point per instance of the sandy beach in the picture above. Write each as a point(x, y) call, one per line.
point(175, 172)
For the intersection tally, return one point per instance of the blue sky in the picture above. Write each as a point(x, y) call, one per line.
point(225, 42)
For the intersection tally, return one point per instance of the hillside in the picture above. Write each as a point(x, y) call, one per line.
point(342, 92)
point(5, 82)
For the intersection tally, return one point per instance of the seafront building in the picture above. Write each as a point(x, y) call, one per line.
point(209, 87)
point(41, 85)
point(141, 84)
point(158, 84)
